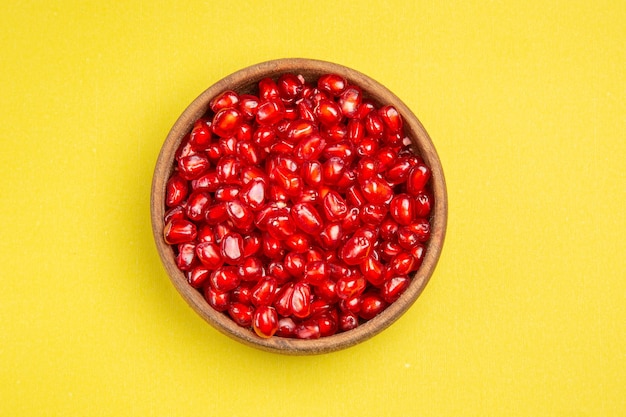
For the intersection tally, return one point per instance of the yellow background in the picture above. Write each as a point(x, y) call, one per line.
point(526, 312)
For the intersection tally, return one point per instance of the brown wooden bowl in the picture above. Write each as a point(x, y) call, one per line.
point(244, 81)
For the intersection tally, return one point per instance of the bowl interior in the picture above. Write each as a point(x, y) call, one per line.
point(245, 81)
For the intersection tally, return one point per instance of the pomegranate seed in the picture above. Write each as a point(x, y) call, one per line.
point(207, 182)
point(200, 136)
point(372, 304)
point(216, 213)
point(289, 87)
point(176, 190)
point(422, 204)
point(349, 286)
point(269, 112)
point(332, 170)
point(248, 105)
point(197, 204)
point(335, 207)
point(309, 329)
point(307, 218)
point(226, 122)
point(391, 118)
point(209, 254)
point(265, 321)
point(294, 264)
point(332, 83)
point(418, 177)
point(179, 231)
point(310, 148)
point(241, 294)
point(241, 313)
point(331, 235)
point(224, 100)
point(348, 321)
point(421, 227)
point(300, 302)
point(268, 89)
point(225, 278)
point(240, 215)
point(219, 300)
point(374, 125)
point(231, 248)
point(394, 288)
point(316, 272)
point(357, 248)
point(349, 101)
point(286, 327)
point(401, 209)
point(193, 166)
point(264, 292)
point(328, 113)
point(377, 191)
point(186, 258)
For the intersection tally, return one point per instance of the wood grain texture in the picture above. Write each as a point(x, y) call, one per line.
point(244, 81)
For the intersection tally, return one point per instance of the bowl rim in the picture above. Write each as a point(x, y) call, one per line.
point(246, 78)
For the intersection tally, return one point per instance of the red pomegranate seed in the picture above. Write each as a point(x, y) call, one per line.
point(225, 278)
point(418, 177)
point(294, 264)
point(197, 204)
point(422, 204)
point(316, 272)
point(357, 248)
point(349, 101)
point(176, 190)
point(251, 268)
point(372, 304)
point(332, 83)
point(241, 313)
point(269, 112)
point(330, 236)
point(309, 329)
point(253, 194)
point(239, 214)
point(289, 86)
point(201, 134)
point(179, 231)
point(286, 327)
point(328, 113)
point(268, 89)
point(186, 258)
point(377, 191)
point(225, 99)
point(264, 292)
point(310, 148)
point(327, 325)
point(282, 302)
point(209, 254)
point(391, 118)
point(248, 105)
point(300, 302)
point(348, 321)
point(193, 166)
point(394, 288)
point(242, 294)
point(349, 286)
point(298, 243)
point(332, 170)
point(231, 248)
point(226, 122)
point(219, 300)
point(265, 321)
point(421, 227)
point(401, 209)
point(307, 218)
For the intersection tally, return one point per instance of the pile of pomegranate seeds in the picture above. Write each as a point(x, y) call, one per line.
point(300, 211)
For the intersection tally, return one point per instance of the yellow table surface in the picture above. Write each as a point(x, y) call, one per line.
point(526, 312)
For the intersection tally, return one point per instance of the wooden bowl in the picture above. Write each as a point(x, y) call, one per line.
point(244, 81)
